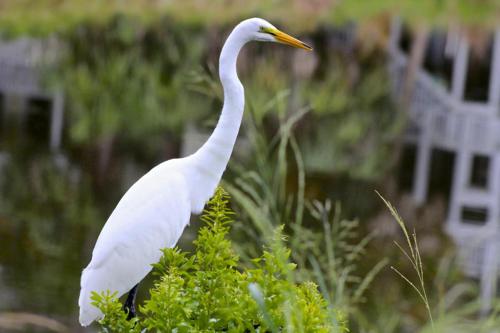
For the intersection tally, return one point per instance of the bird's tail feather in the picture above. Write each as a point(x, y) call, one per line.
point(88, 312)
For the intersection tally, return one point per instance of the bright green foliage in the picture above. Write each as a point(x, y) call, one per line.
point(208, 291)
point(116, 318)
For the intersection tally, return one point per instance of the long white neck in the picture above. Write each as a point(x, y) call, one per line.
point(210, 161)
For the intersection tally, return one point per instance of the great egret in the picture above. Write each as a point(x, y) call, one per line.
point(155, 210)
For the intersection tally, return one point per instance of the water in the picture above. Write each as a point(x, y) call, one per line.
point(49, 222)
point(39, 280)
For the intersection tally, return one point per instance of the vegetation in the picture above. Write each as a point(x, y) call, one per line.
point(124, 70)
point(48, 16)
point(114, 74)
point(449, 306)
point(326, 247)
point(136, 74)
point(349, 263)
point(414, 257)
point(209, 290)
point(349, 111)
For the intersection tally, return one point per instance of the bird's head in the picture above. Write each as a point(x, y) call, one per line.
point(261, 30)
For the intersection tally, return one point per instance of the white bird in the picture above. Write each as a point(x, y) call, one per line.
point(155, 210)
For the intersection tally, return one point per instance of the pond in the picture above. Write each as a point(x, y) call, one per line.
point(50, 217)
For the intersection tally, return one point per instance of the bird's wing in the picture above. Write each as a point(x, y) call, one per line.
point(150, 216)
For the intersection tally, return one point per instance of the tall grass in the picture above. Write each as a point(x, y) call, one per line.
point(326, 247)
point(328, 250)
point(413, 257)
point(451, 307)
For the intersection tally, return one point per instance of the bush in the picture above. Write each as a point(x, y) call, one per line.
point(209, 291)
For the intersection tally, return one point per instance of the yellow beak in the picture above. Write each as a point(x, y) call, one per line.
point(288, 40)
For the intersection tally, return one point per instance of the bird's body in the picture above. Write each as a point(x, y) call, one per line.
point(150, 216)
point(155, 210)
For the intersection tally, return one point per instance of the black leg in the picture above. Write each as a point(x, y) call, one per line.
point(129, 305)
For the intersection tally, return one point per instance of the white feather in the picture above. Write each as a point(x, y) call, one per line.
point(155, 210)
point(150, 216)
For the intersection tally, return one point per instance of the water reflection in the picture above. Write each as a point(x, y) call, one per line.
point(47, 221)
point(50, 217)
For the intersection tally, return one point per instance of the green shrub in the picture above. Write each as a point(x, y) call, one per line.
point(209, 291)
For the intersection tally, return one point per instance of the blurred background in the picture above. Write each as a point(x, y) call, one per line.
point(399, 97)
